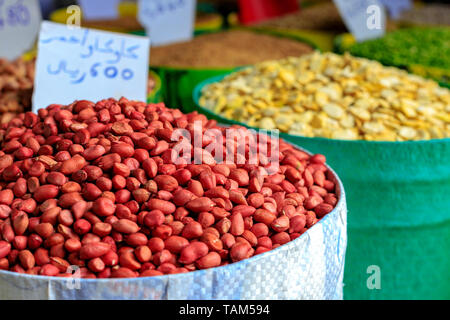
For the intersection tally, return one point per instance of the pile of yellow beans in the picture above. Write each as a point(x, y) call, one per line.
point(333, 96)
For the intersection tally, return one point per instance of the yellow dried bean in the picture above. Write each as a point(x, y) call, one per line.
point(333, 96)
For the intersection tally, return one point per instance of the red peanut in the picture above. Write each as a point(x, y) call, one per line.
point(192, 230)
point(125, 226)
point(104, 207)
point(94, 250)
point(175, 243)
point(192, 252)
point(5, 249)
point(154, 218)
point(237, 224)
point(165, 207)
point(143, 253)
point(240, 251)
point(200, 204)
point(26, 259)
point(280, 224)
point(211, 260)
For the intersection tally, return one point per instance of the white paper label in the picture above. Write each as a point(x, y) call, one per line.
point(99, 9)
point(366, 19)
point(167, 21)
point(79, 63)
point(19, 26)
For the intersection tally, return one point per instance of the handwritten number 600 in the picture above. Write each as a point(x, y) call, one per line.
point(111, 72)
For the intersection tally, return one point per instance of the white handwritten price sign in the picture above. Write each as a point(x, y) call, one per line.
point(19, 26)
point(78, 63)
point(366, 19)
point(104, 9)
point(167, 21)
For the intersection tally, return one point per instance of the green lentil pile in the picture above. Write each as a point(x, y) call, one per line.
point(426, 47)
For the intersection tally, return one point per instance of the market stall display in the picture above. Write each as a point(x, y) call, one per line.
point(183, 65)
point(392, 185)
point(424, 51)
point(227, 189)
point(97, 186)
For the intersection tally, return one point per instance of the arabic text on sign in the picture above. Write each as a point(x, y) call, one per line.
point(14, 15)
point(107, 51)
point(158, 8)
point(87, 64)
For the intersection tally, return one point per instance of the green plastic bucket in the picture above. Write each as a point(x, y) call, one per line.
point(213, 24)
point(179, 83)
point(399, 212)
point(155, 96)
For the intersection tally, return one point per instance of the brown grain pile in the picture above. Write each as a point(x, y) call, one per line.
point(227, 49)
point(122, 23)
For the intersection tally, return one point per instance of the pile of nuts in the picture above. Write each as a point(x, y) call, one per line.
point(16, 87)
point(227, 49)
point(333, 96)
point(94, 185)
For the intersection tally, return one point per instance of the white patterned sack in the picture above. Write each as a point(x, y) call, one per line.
point(310, 267)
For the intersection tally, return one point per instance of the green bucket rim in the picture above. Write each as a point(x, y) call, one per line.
point(197, 94)
point(158, 84)
point(322, 40)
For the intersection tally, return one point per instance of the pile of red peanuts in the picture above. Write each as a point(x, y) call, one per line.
point(93, 185)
